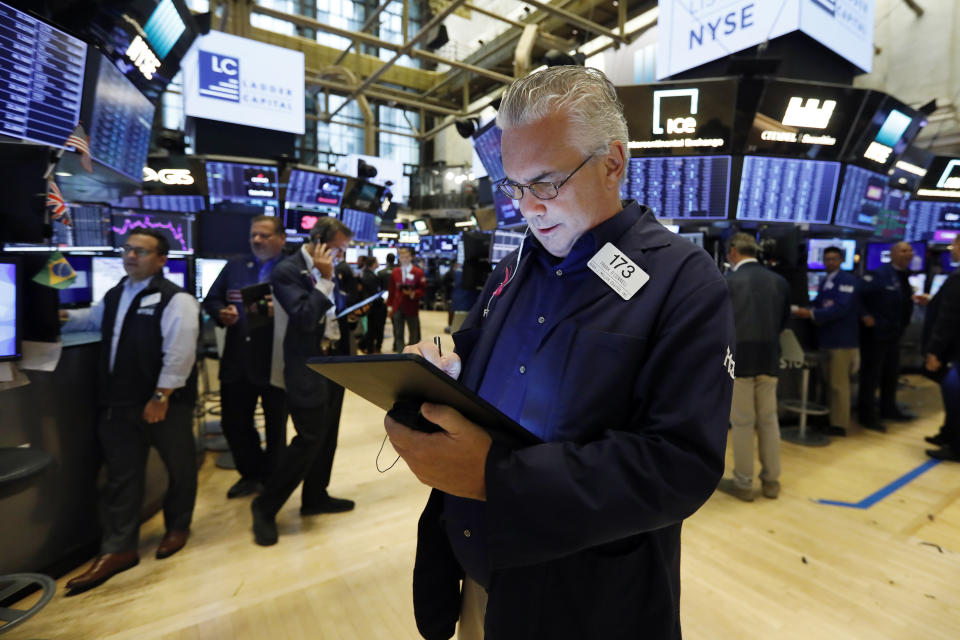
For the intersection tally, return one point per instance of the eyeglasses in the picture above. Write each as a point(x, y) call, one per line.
point(140, 252)
point(541, 190)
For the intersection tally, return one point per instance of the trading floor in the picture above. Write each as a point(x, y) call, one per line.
point(886, 565)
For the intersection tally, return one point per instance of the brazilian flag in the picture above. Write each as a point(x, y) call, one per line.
point(57, 273)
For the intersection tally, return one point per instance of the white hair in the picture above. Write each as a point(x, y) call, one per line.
point(586, 96)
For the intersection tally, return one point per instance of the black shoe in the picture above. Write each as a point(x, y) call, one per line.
point(832, 430)
point(330, 505)
point(244, 487)
point(945, 452)
point(264, 527)
point(940, 440)
point(897, 416)
point(875, 425)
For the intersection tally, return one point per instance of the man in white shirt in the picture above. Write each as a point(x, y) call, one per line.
point(147, 390)
point(305, 288)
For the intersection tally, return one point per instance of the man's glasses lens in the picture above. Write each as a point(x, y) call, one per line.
point(138, 251)
point(541, 190)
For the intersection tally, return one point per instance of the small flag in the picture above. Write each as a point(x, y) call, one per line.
point(59, 210)
point(80, 141)
point(57, 273)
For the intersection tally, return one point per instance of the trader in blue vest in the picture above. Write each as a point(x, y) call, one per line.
point(147, 391)
point(836, 313)
point(887, 304)
point(304, 285)
point(609, 338)
point(247, 357)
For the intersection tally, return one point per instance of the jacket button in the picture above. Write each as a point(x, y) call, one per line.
point(466, 533)
point(248, 338)
point(541, 319)
point(523, 369)
point(559, 272)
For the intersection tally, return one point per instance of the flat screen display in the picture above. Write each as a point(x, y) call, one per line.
point(814, 278)
point(937, 282)
point(108, 270)
point(363, 224)
point(312, 189)
point(878, 253)
point(508, 213)
point(503, 243)
point(80, 290)
point(381, 253)
point(222, 232)
point(925, 218)
point(9, 300)
point(120, 121)
point(364, 196)
point(893, 127)
point(89, 228)
point(696, 237)
point(861, 198)
point(815, 247)
point(41, 79)
point(787, 190)
point(207, 270)
point(692, 188)
point(486, 142)
point(243, 188)
point(298, 223)
point(176, 228)
point(180, 204)
point(892, 217)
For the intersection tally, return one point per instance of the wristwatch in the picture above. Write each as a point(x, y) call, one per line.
point(159, 396)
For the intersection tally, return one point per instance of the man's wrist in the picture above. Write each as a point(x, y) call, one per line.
point(161, 395)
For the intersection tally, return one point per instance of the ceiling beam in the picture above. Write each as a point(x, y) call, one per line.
point(577, 20)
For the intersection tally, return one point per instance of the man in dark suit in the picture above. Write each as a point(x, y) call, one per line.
point(611, 340)
point(887, 300)
point(247, 357)
point(942, 348)
point(761, 309)
point(304, 286)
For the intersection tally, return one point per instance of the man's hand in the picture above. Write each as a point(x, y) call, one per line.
point(922, 299)
point(323, 261)
point(269, 299)
point(229, 315)
point(155, 411)
point(868, 321)
point(449, 363)
point(801, 312)
point(452, 460)
point(932, 363)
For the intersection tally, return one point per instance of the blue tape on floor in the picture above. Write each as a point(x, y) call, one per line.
point(876, 497)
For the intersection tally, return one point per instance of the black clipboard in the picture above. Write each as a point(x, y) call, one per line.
point(384, 379)
point(255, 297)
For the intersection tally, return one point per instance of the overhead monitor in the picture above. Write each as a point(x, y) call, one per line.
point(932, 221)
point(108, 271)
point(892, 218)
point(80, 291)
point(816, 247)
point(892, 127)
point(446, 245)
point(693, 33)
point(315, 191)
point(909, 171)
point(426, 245)
point(180, 204)
point(177, 228)
point(243, 187)
point(680, 118)
point(486, 142)
point(804, 119)
point(364, 225)
point(503, 243)
point(381, 253)
point(207, 270)
point(878, 253)
point(9, 307)
point(42, 79)
point(681, 188)
point(861, 198)
point(223, 232)
point(227, 78)
point(942, 180)
point(298, 223)
point(787, 190)
point(408, 237)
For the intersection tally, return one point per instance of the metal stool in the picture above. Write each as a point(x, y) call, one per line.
point(19, 467)
point(800, 434)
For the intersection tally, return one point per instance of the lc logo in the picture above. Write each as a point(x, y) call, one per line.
point(682, 124)
point(219, 76)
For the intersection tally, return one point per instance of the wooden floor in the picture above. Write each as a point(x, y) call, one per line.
point(786, 568)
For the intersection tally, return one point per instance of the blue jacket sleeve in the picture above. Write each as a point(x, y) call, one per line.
point(305, 306)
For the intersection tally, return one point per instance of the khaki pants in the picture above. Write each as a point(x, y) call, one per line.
point(473, 609)
point(754, 408)
point(838, 366)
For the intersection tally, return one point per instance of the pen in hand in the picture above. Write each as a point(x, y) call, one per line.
point(436, 341)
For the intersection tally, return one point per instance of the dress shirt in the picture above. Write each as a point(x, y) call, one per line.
point(331, 328)
point(179, 325)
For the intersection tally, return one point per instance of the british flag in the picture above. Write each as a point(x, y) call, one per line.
point(80, 141)
point(58, 207)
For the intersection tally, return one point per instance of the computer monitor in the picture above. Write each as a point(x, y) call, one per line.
point(241, 187)
point(503, 243)
point(364, 225)
point(814, 278)
point(180, 204)
point(298, 223)
point(508, 212)
point(878, 253)
point(315, 191)
point(937, 282)
point(108, 271)
point(696, 237)
point(9, 307)
point(917, 282)
point(691, 187)
point(816, 246)
point(861, 198)
point(486, 142)
point(927, 219)
point(352, 255)
point(41, 101)
point(207, 270)
point(80, 291)
point(408, 237)
point(224, 233)
point(381, 253)
point(89, 229)
point(177, 228)
point(787, 190)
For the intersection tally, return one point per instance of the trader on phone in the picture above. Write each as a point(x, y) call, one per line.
point(612, 340)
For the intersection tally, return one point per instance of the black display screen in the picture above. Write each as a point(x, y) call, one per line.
point(298, 223)
point(181, 204)
point(787, 190)
point(244, 188)
point(888, 133)
point(695, 188)
point(89, 228)
point(313, 189)
point(176, 228)
point(861, 198)
point(486, 142)
point(41, 79)
point(508, 211)
point(926, 218)
point(804, 119)
point(363, 224)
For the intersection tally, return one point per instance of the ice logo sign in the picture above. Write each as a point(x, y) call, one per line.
point(219, 76)
point(683, 124)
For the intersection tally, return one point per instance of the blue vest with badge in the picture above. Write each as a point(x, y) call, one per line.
point(837, 312)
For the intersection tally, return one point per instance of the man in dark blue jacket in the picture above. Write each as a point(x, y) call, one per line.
point(836, 313)
point(887, 300)
point(611, 339)
point(304, 285)
point(247, 356)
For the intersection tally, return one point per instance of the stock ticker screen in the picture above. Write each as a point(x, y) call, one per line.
point(861, 198)
point(89, 228)
point(177, 228)
point(180, 204)
point(41, 79)
point(363, 224)
point(314, 190)
point(929, 220)
point(787, 189)
point(695, 187)
point(486, 142)
point(244, 188)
